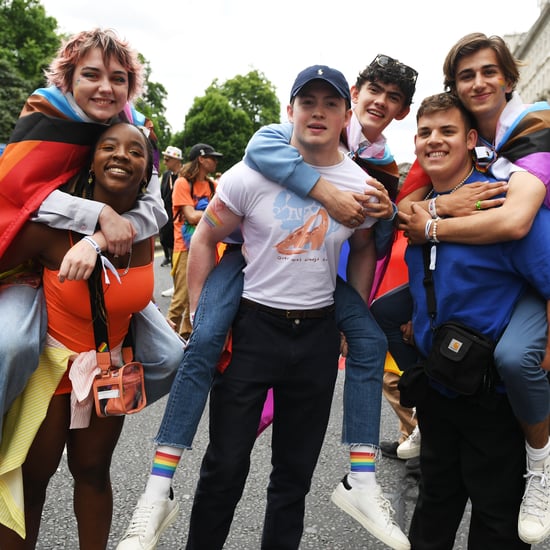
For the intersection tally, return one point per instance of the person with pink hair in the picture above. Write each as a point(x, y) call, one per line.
point(92, 82)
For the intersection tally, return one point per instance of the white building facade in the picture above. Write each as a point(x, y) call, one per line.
point(533, 49)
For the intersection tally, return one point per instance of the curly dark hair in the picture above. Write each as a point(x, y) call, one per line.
point(393, 72)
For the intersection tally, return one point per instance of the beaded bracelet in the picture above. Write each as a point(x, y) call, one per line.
point(432, 209)
point(92, 243)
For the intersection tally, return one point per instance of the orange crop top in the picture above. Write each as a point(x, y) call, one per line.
point(69, 311)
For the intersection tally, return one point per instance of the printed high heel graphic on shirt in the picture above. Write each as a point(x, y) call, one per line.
point(309, 236)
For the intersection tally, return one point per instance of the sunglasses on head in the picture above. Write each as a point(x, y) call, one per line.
point(386, 62)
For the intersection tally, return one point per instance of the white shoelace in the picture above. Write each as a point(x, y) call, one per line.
point(415, 435)
point(386, 507)
point(139, 521)
point(535, 498)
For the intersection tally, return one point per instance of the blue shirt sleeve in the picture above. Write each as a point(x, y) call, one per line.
point(270, 153)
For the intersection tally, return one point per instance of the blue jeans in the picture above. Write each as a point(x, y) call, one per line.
point(158, 348)
point(390, 311)
point(518, 356)
point(23, 325)
point(367, 347)
point(221, 293)
point(217, 307)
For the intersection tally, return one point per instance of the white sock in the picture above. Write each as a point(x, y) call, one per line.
point(536, 457)
point(164, 466)
point(362, 466)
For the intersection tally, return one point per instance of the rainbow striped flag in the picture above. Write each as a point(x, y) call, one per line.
point(44, 152)
point(50, 143)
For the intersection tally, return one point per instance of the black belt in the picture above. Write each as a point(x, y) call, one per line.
point(232, 246)
point(319, 313)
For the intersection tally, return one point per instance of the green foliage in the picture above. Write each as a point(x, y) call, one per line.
point(253, 94)
point(228, 114)
point(27, 39)
point(213, 120)
point(27, 44)
point(13, 94)
point(151, 104)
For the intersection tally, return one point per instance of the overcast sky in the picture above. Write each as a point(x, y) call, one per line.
point(189, 43)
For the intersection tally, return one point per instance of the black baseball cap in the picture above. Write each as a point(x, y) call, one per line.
point(203, 150)
point(321, 72)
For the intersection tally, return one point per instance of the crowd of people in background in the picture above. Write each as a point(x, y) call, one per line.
point(309, 249)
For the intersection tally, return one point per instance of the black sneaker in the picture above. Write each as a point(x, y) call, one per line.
point(389, 449)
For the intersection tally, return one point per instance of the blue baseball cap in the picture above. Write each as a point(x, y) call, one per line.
point(321, 72)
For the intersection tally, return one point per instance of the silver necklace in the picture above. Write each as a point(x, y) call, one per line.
point(458, 186)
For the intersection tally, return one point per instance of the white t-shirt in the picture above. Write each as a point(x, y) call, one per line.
point(291, 244)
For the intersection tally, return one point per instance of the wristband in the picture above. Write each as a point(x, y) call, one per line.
point(427, 229)
point(92, 243)
point(432, 209)
point(434, 236)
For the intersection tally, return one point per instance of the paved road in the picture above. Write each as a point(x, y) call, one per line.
point(326, 526)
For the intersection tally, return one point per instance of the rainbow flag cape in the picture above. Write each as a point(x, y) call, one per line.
point(527, 142)
point(384, 169)
point(50, 143)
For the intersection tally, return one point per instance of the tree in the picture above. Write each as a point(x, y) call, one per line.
point(27, 43)
point(13, 93)
point(228, 114)
point(151, 104)
point(27, 38)
point(255, 95)
point(213, 120)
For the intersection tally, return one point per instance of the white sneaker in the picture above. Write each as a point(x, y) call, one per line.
point(373, 511)
point(410, 448)
point(534, 512)
point(168, 292)
point(148, 523)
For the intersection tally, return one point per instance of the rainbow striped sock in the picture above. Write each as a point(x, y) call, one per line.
point(362, 473)
point(361, 461)
point(165, 464)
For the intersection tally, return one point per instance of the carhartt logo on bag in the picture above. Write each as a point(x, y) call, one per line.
point(454, 345)
point(461, 359)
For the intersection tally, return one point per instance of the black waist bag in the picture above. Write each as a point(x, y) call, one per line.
point(461, 359)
